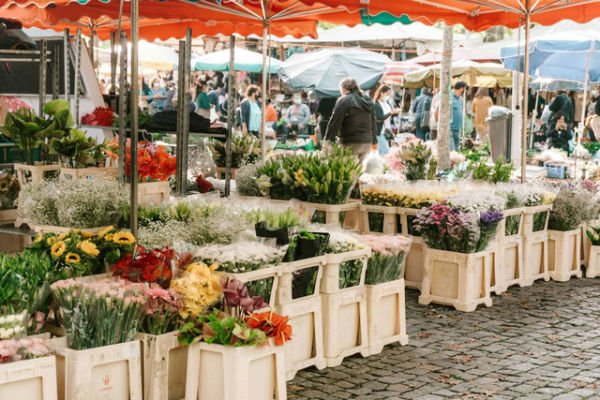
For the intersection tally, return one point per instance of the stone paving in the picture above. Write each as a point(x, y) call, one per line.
point(538, 342)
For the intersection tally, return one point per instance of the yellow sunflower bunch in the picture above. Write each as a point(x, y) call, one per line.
point(200, 286)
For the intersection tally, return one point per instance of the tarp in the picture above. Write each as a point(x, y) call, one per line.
point(559, 56)
point(245, 60)
point(151, 56)
point(460, 53)
point(395, 71)
point(475, 74)
point(322, 70)
point(552, 85)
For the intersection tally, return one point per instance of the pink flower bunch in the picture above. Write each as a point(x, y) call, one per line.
point(162, 309)
point(386, 245)
point(23, 349)
point(393, 159)
point(456, 158)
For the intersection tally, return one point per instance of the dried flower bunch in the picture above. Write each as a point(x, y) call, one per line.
point(572, 206)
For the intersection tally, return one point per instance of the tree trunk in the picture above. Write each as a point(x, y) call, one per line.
point(443, 138)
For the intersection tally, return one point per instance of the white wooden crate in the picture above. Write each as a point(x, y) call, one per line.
point(535, 257)
point(330, 282)
point(100, 173)
point(390, 218)
point(564, 254)
point(386, 315)
point(216, 372)
point(153, 193)
point(457, 279)
point(29, 379)
point(258, 275)
point(592, 269)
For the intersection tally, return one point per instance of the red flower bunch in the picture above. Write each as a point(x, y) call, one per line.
point(203, 185)
point(153, 161)
point(272, 324)
point(146, 266)
point(101, 116)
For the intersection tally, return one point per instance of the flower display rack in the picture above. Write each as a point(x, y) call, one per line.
point(153, 193)
point(535, 258)
point(331, 272)
point(8, 216)
point(219, 372)
point(261, 276)
point(164, 365)
point(387, 214)
point(33, 173)
point(386, 315)
point(564, 254)
point(530, 214)
point(333, 211)
point(104, 173)
point(592, 269)
point(221, 171)
point(109, 372)
point(304, 315)
point(457, 279)
point(507, 267)
point(415, 259)
point(29, 379)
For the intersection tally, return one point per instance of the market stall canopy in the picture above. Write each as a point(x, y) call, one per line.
point(552, 85)
point(245, 60)
point(475, 74)
point(322, 70)
point(559, 56)
point(281, 17)
point(394, 72)
point(473, 15)
point(152, 56)
point(460, 53)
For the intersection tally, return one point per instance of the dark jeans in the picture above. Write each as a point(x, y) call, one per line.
point(287, 130)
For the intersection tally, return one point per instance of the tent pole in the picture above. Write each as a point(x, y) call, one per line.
point(525, 94)
point(113, 69)
point(230, 112)
point(583, 108)
point(77, 73)
point(263, 101)
point(181, 106)
point(133, 194)
point(534, 117)
point(122, 107)
point(67, 63)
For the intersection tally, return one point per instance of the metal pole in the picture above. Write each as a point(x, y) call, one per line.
point(43, 66)
point(263, 136)
point(55, 73)
point(525, 95)
point(186, 70)
point(133, 194)
point(77, 72)
point(230, 112)
point(67, 66)
point(534, 117)
point(585, 93)
point(113, 68)
point(123, 107)
point(179, 182)
point(92, 44)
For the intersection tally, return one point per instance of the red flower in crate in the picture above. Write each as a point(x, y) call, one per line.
point(101, 116)
point(146, 266)
point(203, 185)
point(272, 324)
point(154, 163)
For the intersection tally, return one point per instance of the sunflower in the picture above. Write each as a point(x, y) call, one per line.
point(87, 234)
point(123, 238)
point(109, 237)
point(38, 239)
point(63, 235)
point(51, 240)
point(104, 231)
point(72, 258)
point(58, 249)
point(89, 248)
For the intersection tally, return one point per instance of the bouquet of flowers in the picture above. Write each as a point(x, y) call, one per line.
point(154, 163)
point(9, 191)
point(411, 157)
point(241, 150)
point(237, 300)
point(101, 116)
point(386, 264)
point(273, 325)
point(572, 206)
point(100, 312)
point(204, 186)
point(477, 200)
point(446, 228)
point(200, 287)
point(162, 310)
point(23, 349)
point(146, 266)
point(242, 256)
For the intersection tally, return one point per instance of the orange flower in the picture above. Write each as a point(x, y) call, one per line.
point(272, 324)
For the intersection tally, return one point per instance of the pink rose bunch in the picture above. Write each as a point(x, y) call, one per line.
point(23, 349)
point(386, 245)
point(162, 309)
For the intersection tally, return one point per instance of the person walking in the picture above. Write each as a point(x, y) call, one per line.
point(324, 111)
point(481, 104)
point(250, 111)
point(457, 114)
point(434, 115)
point(353, 120)
point(383, 114)
point(422, 106)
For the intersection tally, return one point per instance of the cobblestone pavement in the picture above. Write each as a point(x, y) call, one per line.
point(538, 342)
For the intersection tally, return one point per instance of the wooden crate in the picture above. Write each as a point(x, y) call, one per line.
point(415, 263)
point(389, 215)
point(305, 316)
point(12, 244)
point(29, 379)
point(33, 173)
point(260, 275)
point(164, 365)
point(344, 324)
point(386, 315)
point(507, 269)
point(41, 229)
point(221, 172)
point(564, 259)
point(102, 373)
point(333, 211)
point(592, 269)
point(219, 372)
point(457, 279)
point(586, 244)
point(101, 173)
point(8, 216)
point(528, 215)
point(535, 258)
point(153, 193)
point(331, 271)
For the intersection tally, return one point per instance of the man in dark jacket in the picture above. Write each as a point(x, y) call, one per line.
point(353, 120)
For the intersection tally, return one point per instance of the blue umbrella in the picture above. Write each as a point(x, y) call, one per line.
point(322, 70)
point(245, 60)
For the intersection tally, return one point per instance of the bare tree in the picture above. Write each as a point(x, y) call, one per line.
point(443, 138)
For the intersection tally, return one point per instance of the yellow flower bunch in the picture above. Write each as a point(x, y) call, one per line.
point(88, 248)
point(123, 237)
point(405, 198)
point(200, 286)
point(548, 198)
point(58, 249)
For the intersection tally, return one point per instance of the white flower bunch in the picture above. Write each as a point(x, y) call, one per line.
point(477, 200)
point(12, 325)
point(239, 257)
point(340, 242)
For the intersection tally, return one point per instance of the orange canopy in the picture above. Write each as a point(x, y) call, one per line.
point(165, 19)
point(475, 15)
